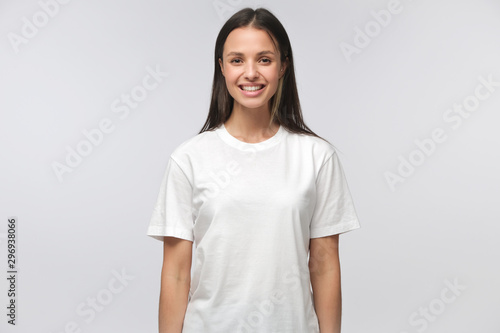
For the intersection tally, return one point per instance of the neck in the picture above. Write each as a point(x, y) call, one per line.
point(251, 125)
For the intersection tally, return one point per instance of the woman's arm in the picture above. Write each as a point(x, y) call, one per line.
point(324, 267)
point(175, 283)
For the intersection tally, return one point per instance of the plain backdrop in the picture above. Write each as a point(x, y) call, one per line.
point(401, 96)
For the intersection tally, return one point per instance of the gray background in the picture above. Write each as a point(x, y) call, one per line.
point(439, 224)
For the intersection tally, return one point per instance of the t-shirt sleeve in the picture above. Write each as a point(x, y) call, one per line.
point(172, 214)
point(334, 212)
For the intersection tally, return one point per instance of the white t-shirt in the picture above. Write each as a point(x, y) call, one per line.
point(250, 209)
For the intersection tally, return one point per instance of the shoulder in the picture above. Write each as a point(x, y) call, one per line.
point(192, 147)
point(309, 144)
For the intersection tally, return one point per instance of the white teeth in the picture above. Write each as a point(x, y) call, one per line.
point(251, 88)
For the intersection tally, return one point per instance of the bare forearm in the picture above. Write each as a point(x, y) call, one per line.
point(327, 300)
point(173, 303)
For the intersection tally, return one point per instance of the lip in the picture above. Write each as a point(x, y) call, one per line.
point(252, 93)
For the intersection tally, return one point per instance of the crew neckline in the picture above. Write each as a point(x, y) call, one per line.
point(241, 145)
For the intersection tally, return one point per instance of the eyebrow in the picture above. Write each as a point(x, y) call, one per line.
point(239, 54)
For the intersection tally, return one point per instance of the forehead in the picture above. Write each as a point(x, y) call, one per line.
point(248, 39)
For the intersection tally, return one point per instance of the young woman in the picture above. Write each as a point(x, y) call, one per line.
point(262, 198)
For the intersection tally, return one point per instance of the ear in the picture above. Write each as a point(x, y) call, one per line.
point(283, 68)
point(221, 67)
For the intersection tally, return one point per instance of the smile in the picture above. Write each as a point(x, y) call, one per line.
point(252, 88)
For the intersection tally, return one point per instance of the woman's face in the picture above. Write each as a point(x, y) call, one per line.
point(251, 61)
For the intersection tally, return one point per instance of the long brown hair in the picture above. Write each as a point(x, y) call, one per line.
point(285, 105)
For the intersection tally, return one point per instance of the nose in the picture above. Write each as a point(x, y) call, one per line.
point(251, 71)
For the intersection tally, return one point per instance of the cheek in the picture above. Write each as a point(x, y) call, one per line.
point(231, 77)
point(271, 75)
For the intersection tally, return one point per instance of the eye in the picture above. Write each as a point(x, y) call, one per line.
point(233, 61)
point(268, 60)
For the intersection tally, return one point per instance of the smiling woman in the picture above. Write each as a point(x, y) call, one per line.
point(251, 68)
point(259, 197)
